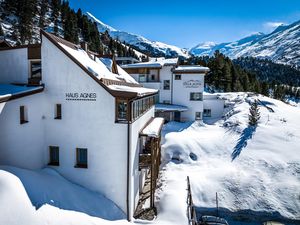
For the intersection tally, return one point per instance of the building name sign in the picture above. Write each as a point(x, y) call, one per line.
point(192, 84)
point(75, 96)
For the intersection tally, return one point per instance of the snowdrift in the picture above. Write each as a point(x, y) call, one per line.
point(254, 171)
point(26, 195)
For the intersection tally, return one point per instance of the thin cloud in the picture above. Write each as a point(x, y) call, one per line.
point(269, 26)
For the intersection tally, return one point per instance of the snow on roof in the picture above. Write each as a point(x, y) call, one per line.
point(141, 91)
point(153, 63)
point(191, 69)
point(170, 108)
point(153, 129)
point(9, 90)
point(98, 67)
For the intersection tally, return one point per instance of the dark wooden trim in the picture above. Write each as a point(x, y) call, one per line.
point(34, 51)
point(20, 95)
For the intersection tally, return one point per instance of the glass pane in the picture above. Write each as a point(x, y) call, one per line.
point(36, 70)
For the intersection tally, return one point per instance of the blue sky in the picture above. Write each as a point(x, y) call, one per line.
point(186, 23)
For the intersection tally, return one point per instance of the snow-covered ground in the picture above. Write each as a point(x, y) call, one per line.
point(256, 173)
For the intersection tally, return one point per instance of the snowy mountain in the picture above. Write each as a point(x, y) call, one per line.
point(153, 48)
point(281, 46)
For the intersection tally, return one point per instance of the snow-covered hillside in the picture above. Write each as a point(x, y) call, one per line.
point(256, 172)
point(144, 45)
point(281, 46)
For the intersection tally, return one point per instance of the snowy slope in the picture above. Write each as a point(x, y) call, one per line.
point(281, 46)
point(154, 48)
point(46, 188)
point(255, 172)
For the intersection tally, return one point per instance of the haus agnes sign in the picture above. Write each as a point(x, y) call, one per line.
point(75, 96)
point(192, 84)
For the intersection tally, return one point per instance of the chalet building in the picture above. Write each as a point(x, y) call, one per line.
point(180, 88)
point(65, 107)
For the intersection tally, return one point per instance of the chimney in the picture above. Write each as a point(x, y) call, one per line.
point(84, 45)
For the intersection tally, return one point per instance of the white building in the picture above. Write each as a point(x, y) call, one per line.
point(63, 107)
point(180, 88)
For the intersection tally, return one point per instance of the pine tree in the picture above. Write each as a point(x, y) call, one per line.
point(1, 30)
point(254, 115)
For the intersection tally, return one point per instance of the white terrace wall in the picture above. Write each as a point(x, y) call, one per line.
point(22, 145)
point(215, 105)
point(14, 66)
point(181, 94)
point(84, 124)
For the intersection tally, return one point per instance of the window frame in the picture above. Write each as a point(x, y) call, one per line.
point(23, 114)
point(166, 86)
point(205, 113)
point(30, 69)
point(177, 76)
point(58, 112)
point(122, 119)
point(51, 161)
point(198, 117)
point(78, 163)
point(194, 99)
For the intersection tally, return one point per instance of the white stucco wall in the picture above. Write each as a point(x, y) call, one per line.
point(85, 124)
point(165, 74)
point(181, 95)
point(22, 145)
point(14, 66)
point(216, 106)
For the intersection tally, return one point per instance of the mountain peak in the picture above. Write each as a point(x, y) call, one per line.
point(102, 27)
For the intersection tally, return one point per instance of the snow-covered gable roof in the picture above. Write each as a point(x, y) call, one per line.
point(119, 84)
point(153, 63)
point(191, 69)
point(10, 91)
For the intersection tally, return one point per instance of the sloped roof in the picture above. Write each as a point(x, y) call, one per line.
point(98, 71)
point(191, 69)
point(10, 91)
point(153, 63)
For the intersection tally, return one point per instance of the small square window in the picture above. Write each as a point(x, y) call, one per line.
point(53, 156)
point(198, 116)
point(177, 77)
point(207, 113)
point(23, 114)
point(166, 84)
point(57, 112)
point(81, 158)
point(142, 78)
point(196, 96)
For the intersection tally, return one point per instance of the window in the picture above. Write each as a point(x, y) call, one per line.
point(198, 116)
point(53, 156)
point(207, 113)
point(177, 77)
point(166, 84)
point(23, 114)
point(35, 69)
point(81, 158)
point(140, 106)
point(142, 78)
point(57, 112)
point(152, 77)
point(121, 109)
point(195, 96)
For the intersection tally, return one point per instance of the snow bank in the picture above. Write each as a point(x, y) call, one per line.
point(263, 178)
point(47, 190)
